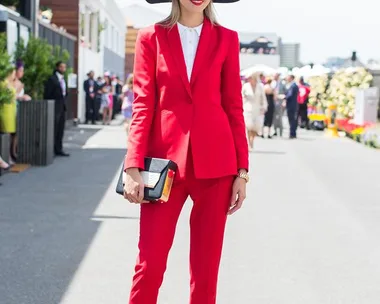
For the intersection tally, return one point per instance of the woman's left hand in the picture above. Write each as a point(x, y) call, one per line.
point(238, 195)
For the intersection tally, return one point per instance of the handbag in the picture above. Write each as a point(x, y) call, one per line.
point(158, 176)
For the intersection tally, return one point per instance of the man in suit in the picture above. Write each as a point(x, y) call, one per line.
point(280, 88)
point(292, 105)
point(56, 89)
point(303, 101)
point(90, 87)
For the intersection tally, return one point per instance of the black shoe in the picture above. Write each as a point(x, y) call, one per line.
point(62, 154)
point(293, 137)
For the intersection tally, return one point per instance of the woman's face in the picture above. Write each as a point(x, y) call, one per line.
point(253, 81)
point(194, 6)
point(20, 73)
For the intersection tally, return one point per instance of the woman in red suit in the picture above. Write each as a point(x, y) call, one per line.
point(187, 108)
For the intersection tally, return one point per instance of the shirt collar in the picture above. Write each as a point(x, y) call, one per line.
point(59, 75)
point(197, 29)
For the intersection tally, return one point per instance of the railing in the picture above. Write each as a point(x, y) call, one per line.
point(56, 36)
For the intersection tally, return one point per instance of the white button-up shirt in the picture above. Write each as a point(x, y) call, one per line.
point(62, 82)
point(189, 40)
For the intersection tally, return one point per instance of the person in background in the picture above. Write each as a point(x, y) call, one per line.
point(19, 85)
point(270, 94)
point(263, 79)
point(201, 128)
point(8, 116)
point(107, 98)
point(56, 89)
point(20, 96)
point(280, 88)
point(90, 88)
point(254, 106)
point(292, 105)
point(127, 101)
point(303, 101)
point(119, 95)
point(117, 91)
point(4, 165)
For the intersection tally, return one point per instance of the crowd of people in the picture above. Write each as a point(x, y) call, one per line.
point(8, 112)
point(266, 99)
point(107, 96)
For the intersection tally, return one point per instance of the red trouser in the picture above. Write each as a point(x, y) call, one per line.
point(158, 222)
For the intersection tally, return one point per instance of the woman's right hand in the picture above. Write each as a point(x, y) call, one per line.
point(133, 186)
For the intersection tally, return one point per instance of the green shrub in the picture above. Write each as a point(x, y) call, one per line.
point(6, 68)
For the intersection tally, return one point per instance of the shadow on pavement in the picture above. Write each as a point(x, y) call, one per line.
point(46, 223)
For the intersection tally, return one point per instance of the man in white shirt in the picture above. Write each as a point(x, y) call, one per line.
point(56, 89)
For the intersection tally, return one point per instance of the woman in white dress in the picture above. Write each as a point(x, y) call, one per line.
point(255, 105)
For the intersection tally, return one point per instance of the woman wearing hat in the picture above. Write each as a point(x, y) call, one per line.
point(187, 108)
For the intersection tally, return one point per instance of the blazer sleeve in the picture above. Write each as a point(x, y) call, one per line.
point(232, 101)
point(144, 87)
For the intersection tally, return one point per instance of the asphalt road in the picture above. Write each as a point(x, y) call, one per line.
point(308, 233)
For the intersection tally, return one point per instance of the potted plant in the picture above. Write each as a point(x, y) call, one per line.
point(36, 117)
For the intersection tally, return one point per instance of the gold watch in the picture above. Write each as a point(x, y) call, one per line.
point(244, 175)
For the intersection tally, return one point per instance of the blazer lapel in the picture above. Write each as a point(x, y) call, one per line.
point(204, 49)
point(178, 56)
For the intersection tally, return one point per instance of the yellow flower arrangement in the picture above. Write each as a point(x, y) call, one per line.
point(343, 87)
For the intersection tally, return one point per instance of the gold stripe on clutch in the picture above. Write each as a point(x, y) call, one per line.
point(167, 188)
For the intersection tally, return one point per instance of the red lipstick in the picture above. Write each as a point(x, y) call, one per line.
point(197, 2)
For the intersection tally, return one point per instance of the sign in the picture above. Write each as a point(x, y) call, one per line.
point(366, 105)
point(72, 80)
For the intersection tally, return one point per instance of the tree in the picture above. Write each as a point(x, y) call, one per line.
point(39, 59)
point(60, 55)
point(37, 62)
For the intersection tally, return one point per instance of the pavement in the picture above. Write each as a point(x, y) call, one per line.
point(308, 232)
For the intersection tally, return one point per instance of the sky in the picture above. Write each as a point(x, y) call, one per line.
point(324, 28)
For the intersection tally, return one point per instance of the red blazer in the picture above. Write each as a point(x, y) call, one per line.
point(170, 113)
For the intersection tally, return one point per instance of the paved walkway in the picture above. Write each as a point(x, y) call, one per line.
point(308, 234)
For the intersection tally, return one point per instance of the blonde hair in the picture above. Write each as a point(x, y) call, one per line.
point(175, 14)
point(129, 79)
point(254, 75)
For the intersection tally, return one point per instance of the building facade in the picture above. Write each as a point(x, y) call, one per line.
point(18, 22)
point(22, 21)
point(137, 17)
point(100, 27)
point(290, 54)
point(259, 49)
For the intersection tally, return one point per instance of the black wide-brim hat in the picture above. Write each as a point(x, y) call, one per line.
point(166, 1)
